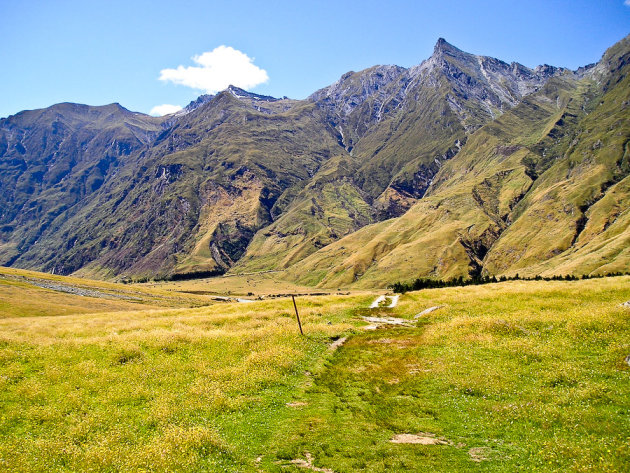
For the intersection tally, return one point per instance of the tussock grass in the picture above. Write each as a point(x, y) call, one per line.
point(515, 376)
point(531, 374)
point(256, 284)
point(155, 390)
point(26, 293)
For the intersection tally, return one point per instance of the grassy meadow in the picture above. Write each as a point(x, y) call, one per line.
point(252, 284)
point(30, 293)
point(516, 376)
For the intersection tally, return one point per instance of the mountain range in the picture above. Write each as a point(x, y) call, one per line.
point(463, 165)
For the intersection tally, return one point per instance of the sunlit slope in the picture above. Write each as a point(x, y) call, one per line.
point(30, 293)
point(447, 232)
point(604, 244)
point(193, 200)
point(399, 126)
point(489, 167)
point(327, 208)
point(524, 189)
point(575, 218)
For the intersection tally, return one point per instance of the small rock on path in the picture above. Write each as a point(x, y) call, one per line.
point(427, 311)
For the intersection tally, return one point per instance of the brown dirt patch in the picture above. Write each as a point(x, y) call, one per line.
point(337, 343)
point(422, 438)
point(297, 404)
point(308, 463)
point(479, 454)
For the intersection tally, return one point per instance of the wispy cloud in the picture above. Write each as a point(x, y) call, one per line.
point(216, 70)
point(627, 3)
point(164, 109)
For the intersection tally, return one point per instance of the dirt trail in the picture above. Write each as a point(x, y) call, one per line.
point(394, 300)
point(308, 463)
point(337, 343)
point(423, 438)
point(376, 303)
point(378, 321)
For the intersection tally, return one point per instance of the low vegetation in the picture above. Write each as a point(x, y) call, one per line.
point(513, 376)
point(516, 376)
point(198, 389)
point(30, 293)
point(427, 283)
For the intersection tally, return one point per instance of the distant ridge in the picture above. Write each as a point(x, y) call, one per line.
point(461, 166)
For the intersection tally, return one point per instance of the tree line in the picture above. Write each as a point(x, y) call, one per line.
point(428, 283)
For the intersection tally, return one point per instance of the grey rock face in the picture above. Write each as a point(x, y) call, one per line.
point(359, 99)
point(483, 86)
point(379, 91)
point(198, 102)
point(353, 88)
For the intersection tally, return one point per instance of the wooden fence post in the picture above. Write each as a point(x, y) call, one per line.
point(296, 314)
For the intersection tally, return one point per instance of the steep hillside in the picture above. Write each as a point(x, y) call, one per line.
point(460, 166)
point(52, 159)
point(399, 127)
point(327, 208)
point(402, 124)
point(543, 188)
point(194, 198)
point(578, 210)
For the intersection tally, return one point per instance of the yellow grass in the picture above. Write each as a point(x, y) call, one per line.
point(155, 389)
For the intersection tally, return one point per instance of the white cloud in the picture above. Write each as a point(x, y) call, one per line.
point(164, 109)
point(216, 70)
point(627, 3)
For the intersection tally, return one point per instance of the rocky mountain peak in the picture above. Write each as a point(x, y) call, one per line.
point(444, 47)
point(359, 84)
point(198, 102)
point(546, 70)
point(102, 187)
point(359, 98)
point(241, 93)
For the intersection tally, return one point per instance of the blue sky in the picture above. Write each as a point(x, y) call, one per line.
point(100, 52)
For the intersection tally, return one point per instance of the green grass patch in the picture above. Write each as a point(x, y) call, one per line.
point(511, 377)
point(515, 376)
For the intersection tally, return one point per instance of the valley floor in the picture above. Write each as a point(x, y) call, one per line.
point(515, 376)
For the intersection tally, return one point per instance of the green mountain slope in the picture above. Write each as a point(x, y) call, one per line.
point(193, 200)
point(462, 165)
point(329, 207)
point(54, 158)
point(577, 210)
point(543, 188)
point(399, 127)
